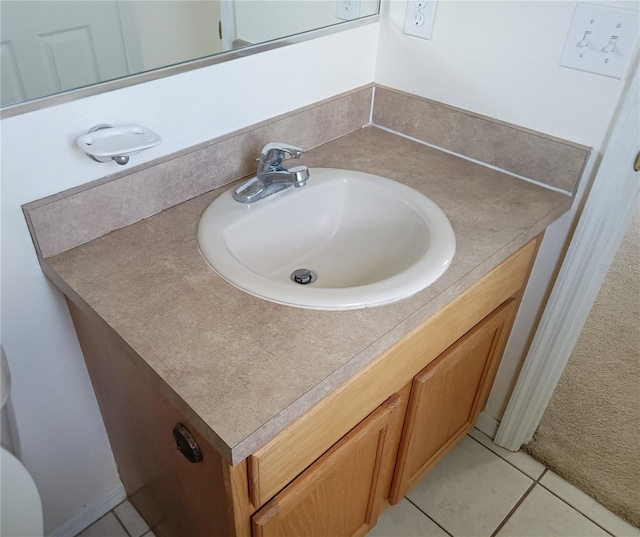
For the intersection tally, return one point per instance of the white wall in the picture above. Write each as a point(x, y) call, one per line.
point(501, 59)
point(64, 445)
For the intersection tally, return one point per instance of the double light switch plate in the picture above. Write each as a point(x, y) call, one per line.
point(601, 40)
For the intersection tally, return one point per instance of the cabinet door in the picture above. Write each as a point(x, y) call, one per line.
point(447, 396)
point(342, 493)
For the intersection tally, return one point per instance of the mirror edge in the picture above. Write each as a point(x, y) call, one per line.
point(103, 87)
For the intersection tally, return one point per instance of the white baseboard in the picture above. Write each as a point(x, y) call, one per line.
point(90, 514)
point(487, 424)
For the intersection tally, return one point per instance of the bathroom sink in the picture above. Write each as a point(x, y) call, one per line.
point(349, 239)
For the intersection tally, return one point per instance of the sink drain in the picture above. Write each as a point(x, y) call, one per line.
point(303, 276)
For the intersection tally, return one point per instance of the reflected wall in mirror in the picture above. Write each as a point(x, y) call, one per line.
point(52, 46)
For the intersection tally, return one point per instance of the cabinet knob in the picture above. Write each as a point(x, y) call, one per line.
point(186, 444)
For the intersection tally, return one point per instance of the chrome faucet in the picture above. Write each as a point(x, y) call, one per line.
point(272, 176)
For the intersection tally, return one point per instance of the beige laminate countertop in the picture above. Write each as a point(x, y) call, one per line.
point(242, 368)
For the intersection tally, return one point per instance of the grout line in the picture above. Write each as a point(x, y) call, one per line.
point(537, 481)
point(514, 508)
point(508, 462)
point(425, 514)
point(120, 521)
point(481, 163)
point(578, 510)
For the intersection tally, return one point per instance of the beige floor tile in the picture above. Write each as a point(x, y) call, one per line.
point(470, 491)
point(588, 506)
point(131, 519)
point(405, 520)
point(520, 460)
point(541, 514)
point(107, 526)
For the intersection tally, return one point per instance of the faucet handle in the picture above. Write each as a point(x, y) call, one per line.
point(275, 152)
point(292, 150)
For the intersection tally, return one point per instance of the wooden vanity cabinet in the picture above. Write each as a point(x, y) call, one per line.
point(332, 471)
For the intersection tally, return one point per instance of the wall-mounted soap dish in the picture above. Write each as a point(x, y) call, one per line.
point(104, 143)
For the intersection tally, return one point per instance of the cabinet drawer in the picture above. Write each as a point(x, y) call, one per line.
point(277, 463)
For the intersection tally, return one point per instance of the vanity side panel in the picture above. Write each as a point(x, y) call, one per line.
point(174, 496)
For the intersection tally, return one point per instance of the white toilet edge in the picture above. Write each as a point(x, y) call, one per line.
point(21, 504)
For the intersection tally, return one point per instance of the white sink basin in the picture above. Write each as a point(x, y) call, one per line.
point(369, 240)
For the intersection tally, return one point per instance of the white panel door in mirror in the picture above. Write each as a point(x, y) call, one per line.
point(601, 40)
point(49, 47)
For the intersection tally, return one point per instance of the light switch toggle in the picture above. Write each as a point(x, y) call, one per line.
point(611, 45)
point(585, 39)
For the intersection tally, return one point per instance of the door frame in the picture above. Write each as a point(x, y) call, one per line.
point(228, 21)
point(606, 215)
point(130, 36)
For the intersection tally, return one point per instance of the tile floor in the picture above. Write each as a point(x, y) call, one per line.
point(123, 521)
point(477, 490)
point(482, 490)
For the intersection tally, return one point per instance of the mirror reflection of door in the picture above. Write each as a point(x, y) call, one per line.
point(48, 47)
point(174, 32)
point(54, 46)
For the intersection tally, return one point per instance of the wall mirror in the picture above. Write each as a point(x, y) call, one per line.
point(53, 47)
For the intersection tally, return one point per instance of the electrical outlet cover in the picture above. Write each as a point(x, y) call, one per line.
point(347, 9)
point(418, 20)
point(601, 40)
